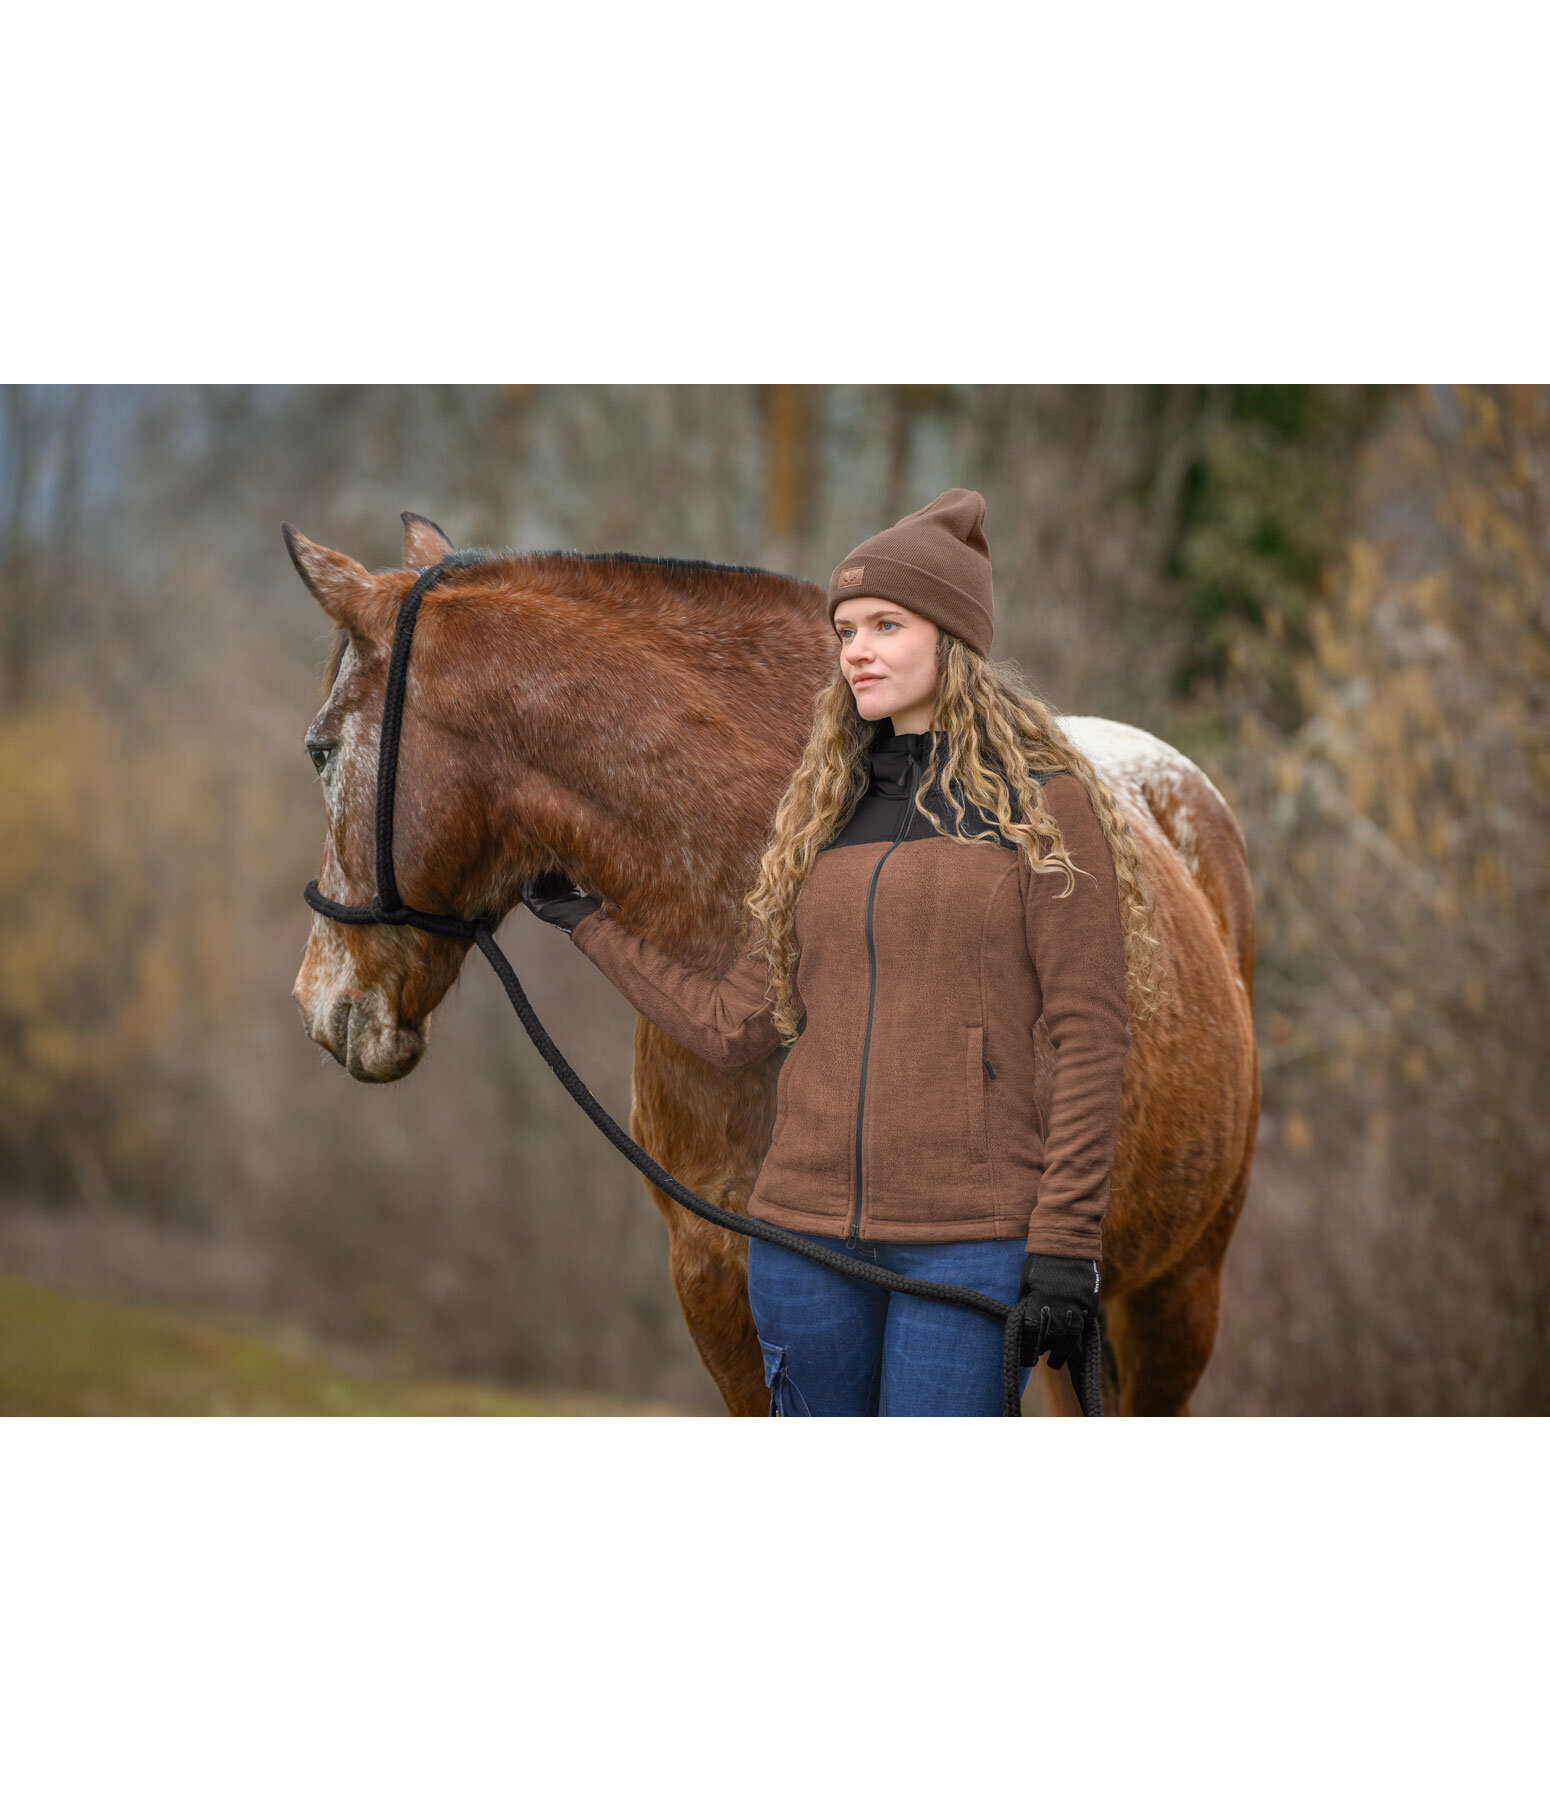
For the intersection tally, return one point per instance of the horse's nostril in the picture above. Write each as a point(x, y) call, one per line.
point(339, 1030)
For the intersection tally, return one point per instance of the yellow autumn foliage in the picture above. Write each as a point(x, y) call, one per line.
point(115, 947)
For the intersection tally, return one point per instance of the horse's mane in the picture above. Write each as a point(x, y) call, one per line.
point(583, 571)
point(593, 573)
point(547, 569)
point(670, 565)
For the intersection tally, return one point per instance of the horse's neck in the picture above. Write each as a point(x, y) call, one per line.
point(636, 815)
point(654, 792)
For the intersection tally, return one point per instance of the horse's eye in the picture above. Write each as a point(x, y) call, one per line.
point(320, 754)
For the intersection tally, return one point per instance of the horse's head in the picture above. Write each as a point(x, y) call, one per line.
point(562, 710)
point(366, 992)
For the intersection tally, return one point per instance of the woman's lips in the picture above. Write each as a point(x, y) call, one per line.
point(862, 680)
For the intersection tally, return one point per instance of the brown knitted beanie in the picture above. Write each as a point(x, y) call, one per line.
point(936, 562)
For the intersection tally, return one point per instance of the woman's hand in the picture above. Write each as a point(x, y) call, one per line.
point(1065, 1288)
point(557, 900)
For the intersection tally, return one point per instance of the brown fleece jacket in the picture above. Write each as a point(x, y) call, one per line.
point(906, 1108)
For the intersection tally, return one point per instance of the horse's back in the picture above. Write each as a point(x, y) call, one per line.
point(1190, 812)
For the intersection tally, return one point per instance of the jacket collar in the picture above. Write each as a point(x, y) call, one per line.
point(891, 753)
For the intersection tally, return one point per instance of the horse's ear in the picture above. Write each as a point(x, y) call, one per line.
point(424, 541)
point(338, 583)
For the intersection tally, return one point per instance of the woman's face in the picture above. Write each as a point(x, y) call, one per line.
point(888, 654)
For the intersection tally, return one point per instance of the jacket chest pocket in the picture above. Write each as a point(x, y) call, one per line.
point(976, 1082)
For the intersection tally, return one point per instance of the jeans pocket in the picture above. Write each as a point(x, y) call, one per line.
point(786, 1400)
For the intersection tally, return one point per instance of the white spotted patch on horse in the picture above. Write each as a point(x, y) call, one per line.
point(1156, 772)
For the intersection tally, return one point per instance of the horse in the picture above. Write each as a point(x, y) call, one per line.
point(632, 721)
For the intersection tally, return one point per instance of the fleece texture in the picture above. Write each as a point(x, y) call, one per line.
point(907, 1108)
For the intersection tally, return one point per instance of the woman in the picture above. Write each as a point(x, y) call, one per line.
point(945, 869)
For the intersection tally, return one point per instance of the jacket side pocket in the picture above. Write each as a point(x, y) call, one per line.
point(974, 1075)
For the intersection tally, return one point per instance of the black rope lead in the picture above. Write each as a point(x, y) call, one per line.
point(387, 908)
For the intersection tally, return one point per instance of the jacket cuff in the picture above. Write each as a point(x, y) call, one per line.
point(579, 930)
point(1059, 1237)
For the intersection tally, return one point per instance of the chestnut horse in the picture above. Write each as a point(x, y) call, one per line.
point(633, 722)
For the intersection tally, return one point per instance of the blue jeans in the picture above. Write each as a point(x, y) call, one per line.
point(835, 1345)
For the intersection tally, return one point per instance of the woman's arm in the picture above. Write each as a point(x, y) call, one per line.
point(725, 1019)
point(1078, 949)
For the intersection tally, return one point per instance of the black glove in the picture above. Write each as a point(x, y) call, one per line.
point(1065, 1288)
point(557, 900)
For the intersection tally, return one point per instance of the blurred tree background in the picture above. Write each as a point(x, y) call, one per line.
point(1337, 600)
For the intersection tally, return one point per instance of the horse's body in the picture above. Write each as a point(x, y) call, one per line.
point(633, 723)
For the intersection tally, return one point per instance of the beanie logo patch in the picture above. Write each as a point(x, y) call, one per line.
point(851, 577)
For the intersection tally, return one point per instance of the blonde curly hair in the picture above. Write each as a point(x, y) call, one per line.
point(996, 731)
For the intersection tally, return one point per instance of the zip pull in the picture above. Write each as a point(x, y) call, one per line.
point(988, 1070)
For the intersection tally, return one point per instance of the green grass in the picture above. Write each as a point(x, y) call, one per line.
point(65, 1354)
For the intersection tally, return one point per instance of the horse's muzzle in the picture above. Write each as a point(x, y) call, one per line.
point(371, 1048)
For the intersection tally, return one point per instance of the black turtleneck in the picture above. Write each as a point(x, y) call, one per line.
point(891, 753)
point(894, 757)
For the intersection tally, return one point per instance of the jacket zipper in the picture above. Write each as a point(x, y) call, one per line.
point(871, 953)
